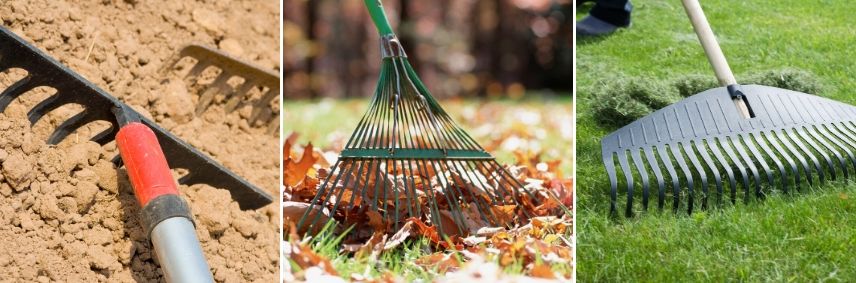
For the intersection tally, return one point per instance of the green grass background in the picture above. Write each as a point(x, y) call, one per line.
point(810, 236)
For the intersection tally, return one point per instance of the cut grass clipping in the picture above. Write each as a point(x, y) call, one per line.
point(622, 100)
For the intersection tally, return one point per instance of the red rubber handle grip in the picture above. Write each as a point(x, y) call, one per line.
point(144, 160)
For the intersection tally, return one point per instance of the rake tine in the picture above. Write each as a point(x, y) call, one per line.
point(676, 187)
point(453, 206)
point(747, 140)
point(836, 138)
point(628, 176)
point(777, 138)
point(219, 85)
point(435, 210)
point(791, 136)
point(738, 147)
point(759, 139)
point(640, 166)
point(688, 150)
point(762, 139)
point(655, 166)
point(106, 135)
point(699, 146)
point(240, 93)
point(394, 192)
point(711, 143)
point(801, 132)
point(15, 90)
point(69, 126)
point(846, 136)
point(676, 151)
point(197, 69)
point(46, 106)
point(313, 203)
point(350, 167)
point(813, 132)
point(515, 185)
point(480, 205)
point(726, 145)
point(609, 164)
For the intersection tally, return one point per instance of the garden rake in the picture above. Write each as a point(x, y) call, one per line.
point(147, 152)
point(407, 158)
point(749, 134)
point(264, 109)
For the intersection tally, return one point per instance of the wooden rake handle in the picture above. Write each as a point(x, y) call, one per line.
point(708, 42)
point(715, 56)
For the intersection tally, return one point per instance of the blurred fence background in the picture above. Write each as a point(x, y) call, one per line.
point(458, 47)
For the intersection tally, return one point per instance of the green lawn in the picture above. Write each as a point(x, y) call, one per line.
point(806, 237)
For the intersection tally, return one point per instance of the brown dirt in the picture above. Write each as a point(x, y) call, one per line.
point(66, 213)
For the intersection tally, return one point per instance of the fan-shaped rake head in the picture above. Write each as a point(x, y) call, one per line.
point(793, 140)
point(254, 77)
point(43, 71)
point(407, 158)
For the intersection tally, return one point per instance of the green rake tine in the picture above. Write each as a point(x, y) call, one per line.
point(360, 187)
point(435, 210)
point(415, 197)
point(480, 205)
point(455, 210)
point(514, 184)
point(315, 199)
point(350, 165)
point(499, 192)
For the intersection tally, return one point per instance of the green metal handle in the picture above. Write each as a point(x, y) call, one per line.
point(379, 17)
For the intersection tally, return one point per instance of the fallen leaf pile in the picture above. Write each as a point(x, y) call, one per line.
point(534, 234)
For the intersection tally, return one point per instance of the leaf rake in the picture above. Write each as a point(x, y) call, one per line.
point(407, 158)
point(756, 137)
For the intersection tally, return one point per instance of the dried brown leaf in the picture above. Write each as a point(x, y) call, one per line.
point(295, 171)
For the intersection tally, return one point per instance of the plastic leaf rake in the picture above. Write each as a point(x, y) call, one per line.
point(406, 150)
point(756, 137)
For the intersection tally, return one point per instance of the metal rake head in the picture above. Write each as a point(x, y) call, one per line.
point(43, 71)
point(254, 77)
point(793, 140)
point(407, 158)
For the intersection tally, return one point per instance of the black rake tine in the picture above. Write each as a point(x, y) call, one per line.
point(658, 174)
point(640, 166)
point(676, 187)
point(717, 179)
point(725, 166)
point(628, 176)
point(688, 175)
